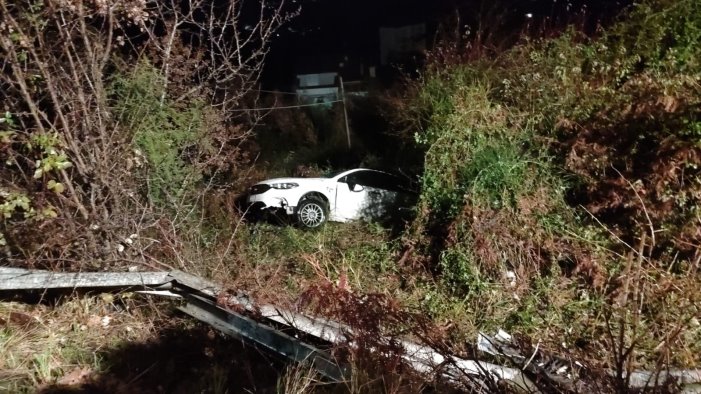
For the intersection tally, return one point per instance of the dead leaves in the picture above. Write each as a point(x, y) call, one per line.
point(77, 376)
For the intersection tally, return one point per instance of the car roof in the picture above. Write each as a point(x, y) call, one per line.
point(352, 170)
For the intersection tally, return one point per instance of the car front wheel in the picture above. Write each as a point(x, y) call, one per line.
point(312, 212)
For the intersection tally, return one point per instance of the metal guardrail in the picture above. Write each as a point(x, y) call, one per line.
point(18, 279)
point(199, 299)
point(240, 326)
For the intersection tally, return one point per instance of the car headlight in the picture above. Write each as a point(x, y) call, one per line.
point(286, 185)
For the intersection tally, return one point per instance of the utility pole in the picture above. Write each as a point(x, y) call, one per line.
point(345, 112)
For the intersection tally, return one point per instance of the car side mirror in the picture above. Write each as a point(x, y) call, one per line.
point(356, 187)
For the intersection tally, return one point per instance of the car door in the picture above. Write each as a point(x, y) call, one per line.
point(382, 195)
point(364, 195)
point(351, 196)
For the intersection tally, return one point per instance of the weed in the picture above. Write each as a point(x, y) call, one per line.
point(527, 215)
point(164, 133)
point(41, 345)
point(298, 379)
point(281, 256)
point(44, 366)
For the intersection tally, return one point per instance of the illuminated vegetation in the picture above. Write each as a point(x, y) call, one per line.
point(560, 193)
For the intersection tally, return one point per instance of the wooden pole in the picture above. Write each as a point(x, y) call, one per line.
point(345, 112)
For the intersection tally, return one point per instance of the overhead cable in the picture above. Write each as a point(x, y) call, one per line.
point(285, 106)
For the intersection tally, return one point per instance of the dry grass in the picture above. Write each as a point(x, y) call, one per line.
point(641, 306)
point(299, 379)
point(43, 345)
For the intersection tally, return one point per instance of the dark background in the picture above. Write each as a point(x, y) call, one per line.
point(337, 28)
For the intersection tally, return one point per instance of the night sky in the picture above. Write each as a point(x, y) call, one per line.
point(326, 28)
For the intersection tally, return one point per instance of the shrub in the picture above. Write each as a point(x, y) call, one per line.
point(168, 135)
point(559, 168)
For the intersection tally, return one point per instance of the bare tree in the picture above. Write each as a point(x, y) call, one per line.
point(69, 189)
point(232, 45)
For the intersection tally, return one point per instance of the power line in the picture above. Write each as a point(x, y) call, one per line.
point(285, 107)
point(273, 91)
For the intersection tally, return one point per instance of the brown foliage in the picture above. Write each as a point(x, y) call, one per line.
point(633, 174)
point(374, 325)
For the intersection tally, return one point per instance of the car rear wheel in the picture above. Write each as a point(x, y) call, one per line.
point(312, 212)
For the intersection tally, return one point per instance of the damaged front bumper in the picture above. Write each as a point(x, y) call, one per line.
point(261, 202)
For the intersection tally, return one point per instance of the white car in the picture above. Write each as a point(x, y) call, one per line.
point(349, 195)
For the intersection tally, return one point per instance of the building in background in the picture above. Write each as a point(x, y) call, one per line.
point(318, 78)
point(320, 87)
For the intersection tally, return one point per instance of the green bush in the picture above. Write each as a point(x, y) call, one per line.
point(164, 132)
point(563, 169)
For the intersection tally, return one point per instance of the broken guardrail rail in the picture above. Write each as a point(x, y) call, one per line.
point(201, 299)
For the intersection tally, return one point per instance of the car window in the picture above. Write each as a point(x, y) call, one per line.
point(375, 179)
point(399, 184)
point(367, 178)
point(385, 181)
point(363, 178)
point(350, 179)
